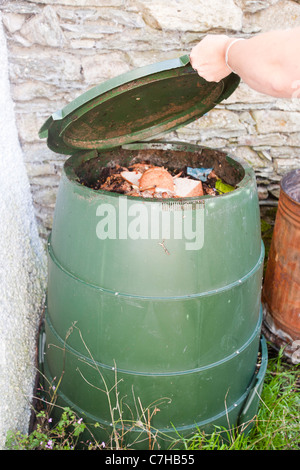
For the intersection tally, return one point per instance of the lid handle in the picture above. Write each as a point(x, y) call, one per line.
point(184, 59)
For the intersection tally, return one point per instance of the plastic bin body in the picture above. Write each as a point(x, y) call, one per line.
point(169, 318)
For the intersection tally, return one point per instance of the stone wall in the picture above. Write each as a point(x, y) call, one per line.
point(60, 48)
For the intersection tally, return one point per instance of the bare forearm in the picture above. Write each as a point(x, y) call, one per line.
point(268, 62)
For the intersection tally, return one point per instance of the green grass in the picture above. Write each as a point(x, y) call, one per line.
point(276, 426)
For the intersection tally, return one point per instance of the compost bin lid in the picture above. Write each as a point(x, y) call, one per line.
point(138, 105)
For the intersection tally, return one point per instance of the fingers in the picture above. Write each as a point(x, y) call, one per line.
point(208, 57)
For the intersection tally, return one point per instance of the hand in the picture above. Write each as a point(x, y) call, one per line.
point(208, 57)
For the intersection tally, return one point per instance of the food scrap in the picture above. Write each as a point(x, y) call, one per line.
point(223, 187)
point(148, 180)
point(199, 173)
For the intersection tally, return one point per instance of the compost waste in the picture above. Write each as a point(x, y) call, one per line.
point(148, 180)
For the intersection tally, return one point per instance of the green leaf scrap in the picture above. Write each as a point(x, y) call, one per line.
point(223, 187)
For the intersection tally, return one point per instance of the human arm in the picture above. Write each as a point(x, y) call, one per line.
point(268, 62)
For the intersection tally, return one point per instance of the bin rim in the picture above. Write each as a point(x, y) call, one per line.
point(247, 180)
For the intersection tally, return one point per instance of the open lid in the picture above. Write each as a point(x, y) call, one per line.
point(135, 106)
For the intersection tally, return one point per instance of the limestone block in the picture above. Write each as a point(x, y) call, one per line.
point(251, 6)
point(139, 59)
point(284, 165)
point(122, 17)
point(274, 189)
point(77, 15)
point(293, 139)
point(282, 14)
point(51, 181)
point(82, 43)
point(192, 16)
point(31, 90)
point(44, 217)
point(39, 152)
point(250, 156)
point(20, 40)
point(246, 118)
point(20, 7)
point(284, 152)
point(29, 126)
point(91, 30)
point(82, 3)
point(44, 29)
point(44, 196)
point(44, 65)
point(38, 169)
point(136, 43)
point(216, 123)
point(268, 121)
point(100, 67)
point(214, 143)
point(13, 22)
point(263, 193)
point(267, 175)
point(190, 38)
point(262, 140)
point(246, 95)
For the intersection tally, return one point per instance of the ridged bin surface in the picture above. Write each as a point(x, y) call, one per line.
point(177, 329)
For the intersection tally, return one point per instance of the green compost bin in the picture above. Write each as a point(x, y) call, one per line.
point(153, 316)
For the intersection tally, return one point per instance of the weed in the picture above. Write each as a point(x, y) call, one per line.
point(277, 424)
point(276, 427)
point(64, 436)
